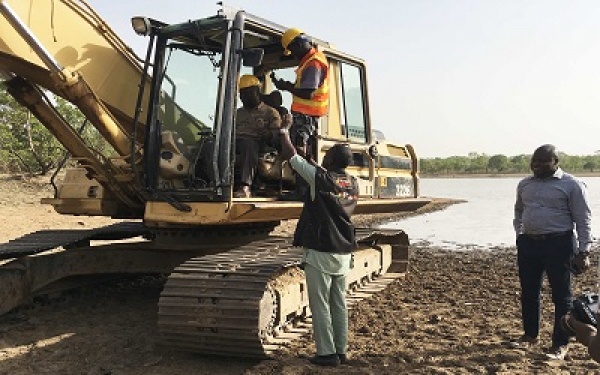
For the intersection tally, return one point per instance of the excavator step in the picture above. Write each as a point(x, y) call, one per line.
point(43, 240)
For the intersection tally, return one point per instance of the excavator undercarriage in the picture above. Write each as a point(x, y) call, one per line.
point(249, 300)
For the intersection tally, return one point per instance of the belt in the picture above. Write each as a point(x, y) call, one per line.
point(547, 236)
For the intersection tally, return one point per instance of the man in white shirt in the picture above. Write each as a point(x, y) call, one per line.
point(327, 235)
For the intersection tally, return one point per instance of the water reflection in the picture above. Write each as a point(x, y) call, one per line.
point(484, 221)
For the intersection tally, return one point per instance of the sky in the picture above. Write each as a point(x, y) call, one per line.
point(450, 77)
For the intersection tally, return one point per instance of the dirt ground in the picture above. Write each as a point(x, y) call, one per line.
point(452, 314)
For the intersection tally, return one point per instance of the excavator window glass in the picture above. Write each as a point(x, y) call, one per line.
point(189, 81)
point(352, 111)
point(188, 92)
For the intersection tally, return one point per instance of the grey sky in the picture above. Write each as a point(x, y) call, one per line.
point(448, 77)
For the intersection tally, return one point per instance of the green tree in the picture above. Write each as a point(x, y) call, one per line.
point(590, 163)
point(481, 163)
point(478, 163)
point(26, 145)
point(571, 163)
point(498, 163)
point(519, 163)
point(20, 134)
point(456, 164)
point(432, 166)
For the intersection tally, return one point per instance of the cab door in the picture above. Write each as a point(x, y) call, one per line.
point(348, 120)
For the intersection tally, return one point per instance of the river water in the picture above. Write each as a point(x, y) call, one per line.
point(485, 220)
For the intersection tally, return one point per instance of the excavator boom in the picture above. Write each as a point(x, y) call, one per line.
point(71, 36)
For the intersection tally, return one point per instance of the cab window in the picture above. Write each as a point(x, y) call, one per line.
point(352, 112)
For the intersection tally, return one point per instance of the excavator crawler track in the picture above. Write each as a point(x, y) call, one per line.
point(223, 303)
point(252, 301)
point(43, 240)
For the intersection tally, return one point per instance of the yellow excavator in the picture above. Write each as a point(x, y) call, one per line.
point(169, 118)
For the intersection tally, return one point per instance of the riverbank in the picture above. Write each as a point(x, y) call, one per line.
point(452, 314)
point(497, 175)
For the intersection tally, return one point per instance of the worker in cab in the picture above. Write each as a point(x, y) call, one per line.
point(257, 125)
point(310, 91)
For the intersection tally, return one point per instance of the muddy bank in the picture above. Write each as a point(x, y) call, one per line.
point(453, 314)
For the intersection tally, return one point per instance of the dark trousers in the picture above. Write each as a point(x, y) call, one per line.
point(303, 133)
point(246, 150)
point(551, 256)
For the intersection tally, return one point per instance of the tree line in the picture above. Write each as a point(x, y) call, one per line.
point(475, 163)
point(27, 147)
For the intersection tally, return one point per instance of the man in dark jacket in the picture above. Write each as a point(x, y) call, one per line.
point(327, 235)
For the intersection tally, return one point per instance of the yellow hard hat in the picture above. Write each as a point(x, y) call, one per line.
point(248, 80)
point(287, 37)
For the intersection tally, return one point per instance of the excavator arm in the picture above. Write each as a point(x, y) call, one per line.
point(66, 48)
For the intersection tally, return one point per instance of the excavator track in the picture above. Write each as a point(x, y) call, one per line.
point(36, 242)
point(252, 301)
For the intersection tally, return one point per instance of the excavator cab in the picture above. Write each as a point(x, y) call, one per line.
point(171, 120)
point(189, 147)
point(189, 144)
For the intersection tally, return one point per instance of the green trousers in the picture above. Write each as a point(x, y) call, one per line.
point(327, 300)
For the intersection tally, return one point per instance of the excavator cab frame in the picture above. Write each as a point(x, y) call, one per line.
point(197, 128)
point(186, 59)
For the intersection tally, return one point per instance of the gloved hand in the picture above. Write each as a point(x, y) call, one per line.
point(283, 85)
point(580, 263)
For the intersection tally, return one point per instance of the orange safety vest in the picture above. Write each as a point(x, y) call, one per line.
point(317, 106)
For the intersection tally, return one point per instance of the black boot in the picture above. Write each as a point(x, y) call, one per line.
point(331, 360)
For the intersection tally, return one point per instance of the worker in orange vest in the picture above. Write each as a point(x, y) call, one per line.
point(310, 92)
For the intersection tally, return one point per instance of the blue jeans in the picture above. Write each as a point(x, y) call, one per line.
point(551, 256)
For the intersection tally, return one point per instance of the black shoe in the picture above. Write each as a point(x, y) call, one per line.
point(325, 360)
point(342, 358)
point(523, 342)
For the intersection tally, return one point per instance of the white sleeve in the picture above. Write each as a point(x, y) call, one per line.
point(306, 170)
